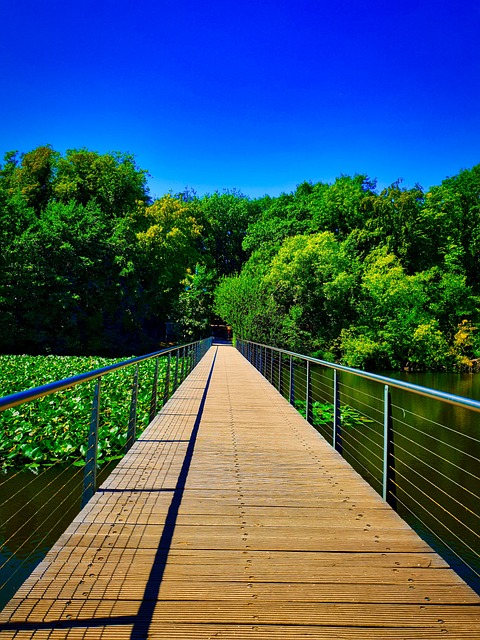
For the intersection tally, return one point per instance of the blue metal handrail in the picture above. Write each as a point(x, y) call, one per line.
point(424, 463)
point(34, 393)
point(451, 398)
point(179, 361)
point(193, 350)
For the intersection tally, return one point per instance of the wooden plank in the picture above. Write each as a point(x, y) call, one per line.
point(238, 523)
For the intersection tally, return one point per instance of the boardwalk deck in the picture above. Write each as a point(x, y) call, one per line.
point(232, 518)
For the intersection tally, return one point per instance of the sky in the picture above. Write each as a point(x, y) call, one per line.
point(258, 95)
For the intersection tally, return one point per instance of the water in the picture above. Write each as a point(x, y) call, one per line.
point(436, 453)
point(34, 511)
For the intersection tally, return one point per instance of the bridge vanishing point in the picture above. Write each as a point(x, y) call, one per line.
point(231, 517)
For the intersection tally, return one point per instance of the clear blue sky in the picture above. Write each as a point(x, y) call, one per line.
point(259, 95)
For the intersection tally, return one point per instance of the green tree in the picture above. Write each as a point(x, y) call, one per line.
point(314, 281)
point(112, 180)
point(246, 304)
point(166, 249)
point(194, 307)
point(224, 218)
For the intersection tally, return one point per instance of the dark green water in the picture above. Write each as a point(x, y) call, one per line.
point(34, 511)
point(436, 448)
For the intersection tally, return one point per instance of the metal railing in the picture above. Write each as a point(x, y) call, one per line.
point(418, 447)
point(33, 507)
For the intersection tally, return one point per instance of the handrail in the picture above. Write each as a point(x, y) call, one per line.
point(418, 447)
point(178, 362)
point(14, 399)
point(451, 398)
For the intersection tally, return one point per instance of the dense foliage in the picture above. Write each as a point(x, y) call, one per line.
point(379, 279)
point(55, 428)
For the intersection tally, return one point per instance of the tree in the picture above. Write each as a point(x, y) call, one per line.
point(166, 249)
point(32, 178)
point(224, 218)
point(194, 307)
point(112, 180)
point(314, 281)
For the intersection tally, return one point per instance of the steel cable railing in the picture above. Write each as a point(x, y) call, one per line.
point(418, 447)
point(35, 509)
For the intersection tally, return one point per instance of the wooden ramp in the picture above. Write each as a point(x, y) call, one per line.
point(232, 518)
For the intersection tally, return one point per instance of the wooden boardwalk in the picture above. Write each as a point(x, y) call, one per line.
point(232, 518)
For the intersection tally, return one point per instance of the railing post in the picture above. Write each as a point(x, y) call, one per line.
point(166, 391)
point(153, 401)
point(308, 395)
point(280, 372)
point(90, 471)
point(132, 421)
point(337, 423)
point(182, 373)
point(388, 488)
point(175, 378)
point(260, 368)
point(291, 384)
point(271, 366)
point(187, 360)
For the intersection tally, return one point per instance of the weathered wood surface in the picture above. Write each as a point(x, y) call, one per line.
point(232, 518)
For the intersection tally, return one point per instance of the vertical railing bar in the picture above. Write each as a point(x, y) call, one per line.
point(308, 398)
point(153, 401)
point(337, 424)
point(280, 372)
point(175, 378)
point(166, 390)
point(132, 421)
point(182, 371)
point(90, 471)
point(291, 392)
point(388, 485)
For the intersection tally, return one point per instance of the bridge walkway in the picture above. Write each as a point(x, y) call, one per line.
point(232, 518)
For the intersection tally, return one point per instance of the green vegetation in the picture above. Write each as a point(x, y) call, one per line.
point(373, 280)
point(377, 279)
point(322, 414)
point(55, 428)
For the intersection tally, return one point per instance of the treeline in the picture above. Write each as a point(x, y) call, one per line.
point(383, 280)
point(90, 264)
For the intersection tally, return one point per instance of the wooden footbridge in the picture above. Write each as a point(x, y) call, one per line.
point(232, 518)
